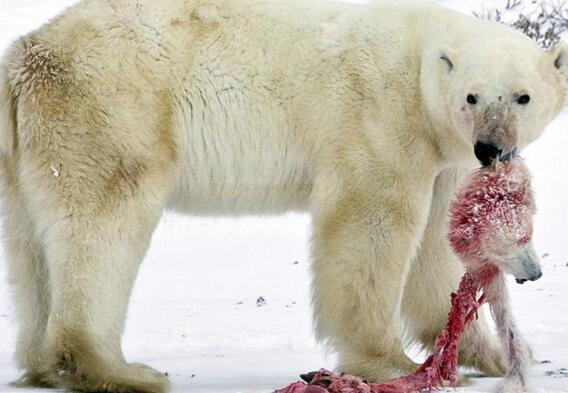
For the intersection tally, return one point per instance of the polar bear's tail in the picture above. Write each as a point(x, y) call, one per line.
point(7, 112)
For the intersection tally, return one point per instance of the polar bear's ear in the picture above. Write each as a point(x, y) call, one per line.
point(560, 55)
point(448, 56)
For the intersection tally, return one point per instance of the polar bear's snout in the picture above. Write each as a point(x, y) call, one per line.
point(495, 134)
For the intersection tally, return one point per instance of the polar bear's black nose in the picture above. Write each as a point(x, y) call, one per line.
point(486, 152)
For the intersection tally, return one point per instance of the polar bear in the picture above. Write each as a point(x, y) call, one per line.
point(363, 115)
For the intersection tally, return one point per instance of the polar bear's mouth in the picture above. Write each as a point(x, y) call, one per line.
point(487, 152)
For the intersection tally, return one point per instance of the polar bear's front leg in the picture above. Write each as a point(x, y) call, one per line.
point(362, 245)
point(435, 273)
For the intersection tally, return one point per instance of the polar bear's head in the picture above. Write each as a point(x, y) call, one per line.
point(496, 95)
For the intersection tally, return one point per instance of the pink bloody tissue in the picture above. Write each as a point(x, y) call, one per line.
point(490, 217)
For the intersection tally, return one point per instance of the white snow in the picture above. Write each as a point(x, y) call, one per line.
point(194, 313)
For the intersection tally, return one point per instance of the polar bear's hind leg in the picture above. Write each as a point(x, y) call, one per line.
point(28, 275)
point(95, 180)
point(28, 278)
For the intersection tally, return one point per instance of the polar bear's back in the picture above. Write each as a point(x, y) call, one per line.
point(255, 87)
point(227, 73)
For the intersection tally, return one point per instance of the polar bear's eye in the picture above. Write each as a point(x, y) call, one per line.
point(524, 99)
point(471, 99)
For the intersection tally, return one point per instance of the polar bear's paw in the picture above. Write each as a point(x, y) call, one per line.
point(33, 379)
point(89, 374)
point(485, 355)
point(490, 364)
point(376, 368)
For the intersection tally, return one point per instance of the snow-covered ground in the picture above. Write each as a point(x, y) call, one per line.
point(194, 311)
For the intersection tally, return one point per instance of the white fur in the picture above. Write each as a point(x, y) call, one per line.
point(237, 107)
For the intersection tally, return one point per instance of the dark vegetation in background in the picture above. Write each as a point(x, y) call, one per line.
point(543, 21)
